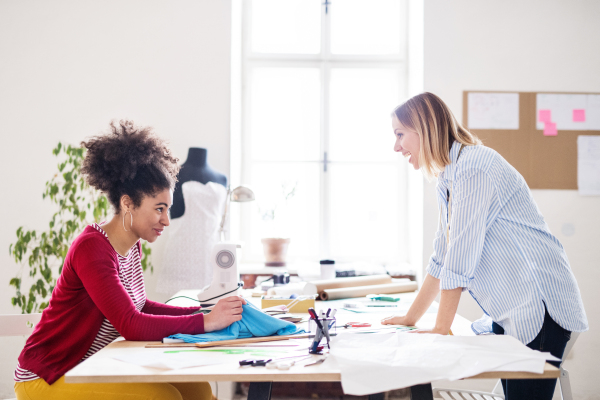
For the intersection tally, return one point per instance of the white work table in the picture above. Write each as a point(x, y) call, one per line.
point(103, 368)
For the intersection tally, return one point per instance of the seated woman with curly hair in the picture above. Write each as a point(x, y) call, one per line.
point(100, 294)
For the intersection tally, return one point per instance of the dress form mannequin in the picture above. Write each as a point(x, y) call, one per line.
point(195, 168)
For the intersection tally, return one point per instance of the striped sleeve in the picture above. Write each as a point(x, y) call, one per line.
point(472, 197)
point(436, 261)
point(23, 375)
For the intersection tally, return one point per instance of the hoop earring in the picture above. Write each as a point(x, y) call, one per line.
point(131, 224)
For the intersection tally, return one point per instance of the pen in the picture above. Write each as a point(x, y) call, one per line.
point(332, 317)
point(317, 340)
point(313, 314)
point(326, 332)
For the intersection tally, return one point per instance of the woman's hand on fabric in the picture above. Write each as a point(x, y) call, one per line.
point(397, 320)
point(224, 313)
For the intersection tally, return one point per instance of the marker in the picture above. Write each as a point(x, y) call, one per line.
point(383, 298)
point(312, 313)
point(381, 305)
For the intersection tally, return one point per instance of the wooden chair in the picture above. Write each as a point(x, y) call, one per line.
point(498, 394)
point(18, 325)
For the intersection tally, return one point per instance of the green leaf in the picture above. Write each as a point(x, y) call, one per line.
point(16, 282)
point(31, 303)
point(56, 150)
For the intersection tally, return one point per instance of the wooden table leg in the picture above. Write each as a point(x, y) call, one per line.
point(421, 392)
point(260, 391)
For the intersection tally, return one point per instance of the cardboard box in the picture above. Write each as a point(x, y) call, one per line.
point(301, 306)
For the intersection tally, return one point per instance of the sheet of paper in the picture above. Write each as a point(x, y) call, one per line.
point(367, 362)
point(402, 309)
point(493, 110)
point(550, 129)
point(588, 165)
point(186, 358)
point(578, 115)
point(545, 116)
point(573, 112)
point(592, 114)
point(165, 360)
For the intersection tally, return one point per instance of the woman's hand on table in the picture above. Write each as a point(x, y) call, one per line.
point(431, 331)
point(397, 320)
point(224, 313)
point(403, 320)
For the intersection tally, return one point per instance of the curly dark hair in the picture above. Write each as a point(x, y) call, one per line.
point(129, 160)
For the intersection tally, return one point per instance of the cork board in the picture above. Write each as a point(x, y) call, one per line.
point(546, 162)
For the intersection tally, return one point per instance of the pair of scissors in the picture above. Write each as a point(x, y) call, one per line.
point(356, 325)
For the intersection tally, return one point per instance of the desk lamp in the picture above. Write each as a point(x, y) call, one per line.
point(240, 194)
point(225, 279)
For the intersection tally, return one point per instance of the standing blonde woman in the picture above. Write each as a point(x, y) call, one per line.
point(100, 294)
point(492, 241)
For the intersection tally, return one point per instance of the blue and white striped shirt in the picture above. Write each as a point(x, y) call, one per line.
point(501, 249)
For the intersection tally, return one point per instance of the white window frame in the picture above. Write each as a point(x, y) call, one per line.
point(325, 61)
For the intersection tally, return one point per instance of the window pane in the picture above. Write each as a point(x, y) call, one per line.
point(361, 102)
point(298, 217)
point(286, 26)
point(364, 217)
point(284, 113)
point(367, 27)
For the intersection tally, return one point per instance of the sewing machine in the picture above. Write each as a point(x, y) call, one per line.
point(226, 278)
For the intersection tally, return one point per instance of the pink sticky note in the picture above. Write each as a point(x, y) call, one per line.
point(544, 116)
point(578, 115)
point(550, 129)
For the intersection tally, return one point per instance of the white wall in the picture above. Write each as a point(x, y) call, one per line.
point(535, 45)
point(67, 67)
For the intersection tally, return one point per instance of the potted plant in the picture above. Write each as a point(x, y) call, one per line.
point(42, 253)
point(275, 216)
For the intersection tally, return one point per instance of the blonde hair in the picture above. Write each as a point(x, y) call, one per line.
point(437, 127)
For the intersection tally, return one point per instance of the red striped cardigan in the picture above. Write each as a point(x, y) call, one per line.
point(88, 291)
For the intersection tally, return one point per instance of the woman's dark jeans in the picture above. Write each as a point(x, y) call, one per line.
point(553, 339)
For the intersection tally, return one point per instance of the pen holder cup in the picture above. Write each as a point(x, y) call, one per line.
point(312, 326)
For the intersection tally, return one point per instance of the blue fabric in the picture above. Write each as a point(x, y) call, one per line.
point(501, 249)
point(253, 323)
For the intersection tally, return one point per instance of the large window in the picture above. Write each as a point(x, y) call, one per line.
point(320, 79)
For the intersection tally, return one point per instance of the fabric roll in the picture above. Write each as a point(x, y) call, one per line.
point(400, 286)
point(317, 287)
